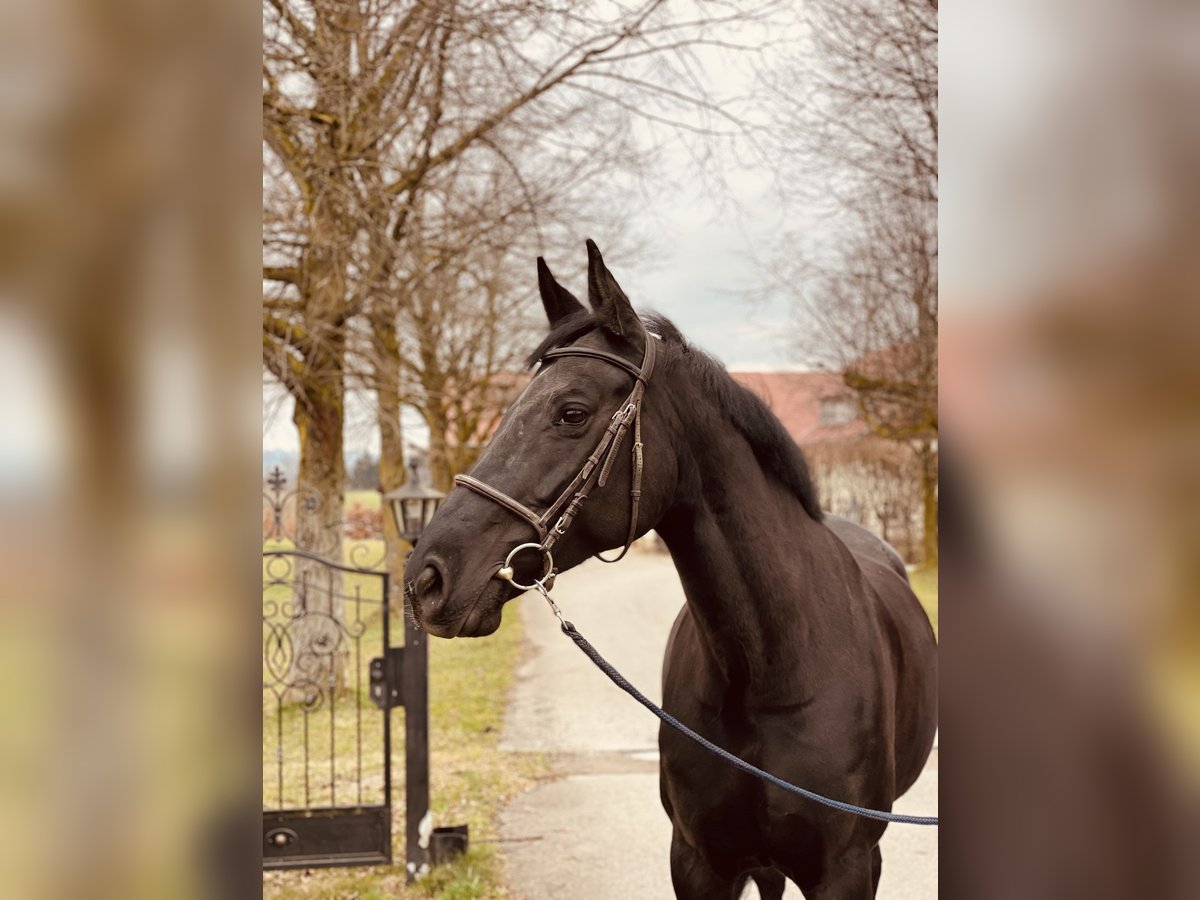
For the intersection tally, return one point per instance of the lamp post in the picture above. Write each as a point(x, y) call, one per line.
point(412, 506)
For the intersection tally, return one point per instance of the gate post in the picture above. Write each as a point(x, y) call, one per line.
point(412, 507)
point(417, 815)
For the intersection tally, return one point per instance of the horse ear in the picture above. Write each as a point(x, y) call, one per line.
point(558, 301)
point(612, 307)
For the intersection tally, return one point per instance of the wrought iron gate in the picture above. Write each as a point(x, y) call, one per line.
point(326, 745)
point(330, 679)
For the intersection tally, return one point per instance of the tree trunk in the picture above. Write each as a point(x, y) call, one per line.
point(320, 651)
point(927, 455)
point(392, 473)
point(440, 465)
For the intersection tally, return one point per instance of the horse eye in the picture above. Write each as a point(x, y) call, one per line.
point(573, 416)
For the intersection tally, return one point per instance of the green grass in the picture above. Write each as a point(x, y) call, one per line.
point(470, 778)
point(365, 499)
point(925, 585)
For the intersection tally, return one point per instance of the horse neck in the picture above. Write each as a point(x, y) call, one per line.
point(766, 583)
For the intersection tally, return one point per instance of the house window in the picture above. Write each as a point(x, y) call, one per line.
point(838, 411)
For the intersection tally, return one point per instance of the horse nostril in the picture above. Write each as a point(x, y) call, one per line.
point(429, 585)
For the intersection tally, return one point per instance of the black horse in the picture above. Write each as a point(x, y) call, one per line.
point(801, 648)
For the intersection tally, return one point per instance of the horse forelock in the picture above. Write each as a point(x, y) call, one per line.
point(567, 331)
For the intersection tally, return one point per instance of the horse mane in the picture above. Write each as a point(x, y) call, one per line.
point(773, 447)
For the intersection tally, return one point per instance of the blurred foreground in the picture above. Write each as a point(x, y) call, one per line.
point(1071, 425)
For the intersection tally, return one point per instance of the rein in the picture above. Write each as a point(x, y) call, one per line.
point(620, 681)
point(594, 473)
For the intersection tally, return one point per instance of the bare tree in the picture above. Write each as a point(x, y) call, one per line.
point(867, 135)
point(464, 325)
point(365, 106)
point(454, 310)
point(382, 118)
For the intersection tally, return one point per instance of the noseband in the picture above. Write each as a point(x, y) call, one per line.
point(595, 470)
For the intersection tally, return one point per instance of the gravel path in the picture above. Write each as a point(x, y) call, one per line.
point(598, 831)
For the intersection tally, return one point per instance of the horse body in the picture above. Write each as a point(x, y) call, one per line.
point(801, 648)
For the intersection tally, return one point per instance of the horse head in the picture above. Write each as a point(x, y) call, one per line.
point(575, 426)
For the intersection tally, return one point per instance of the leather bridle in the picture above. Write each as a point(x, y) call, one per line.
point(594, 473)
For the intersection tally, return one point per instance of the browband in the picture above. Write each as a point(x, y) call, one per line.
point(641, 373)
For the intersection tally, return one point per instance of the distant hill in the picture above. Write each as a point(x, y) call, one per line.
point(289, 462)
point(285, 459)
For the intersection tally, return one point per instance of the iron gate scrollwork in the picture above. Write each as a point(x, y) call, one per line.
point(330, 678)
point(326, 744)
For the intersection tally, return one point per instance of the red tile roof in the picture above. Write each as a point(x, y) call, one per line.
point(797, 399)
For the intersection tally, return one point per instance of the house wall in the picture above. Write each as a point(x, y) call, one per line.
point(875, 483)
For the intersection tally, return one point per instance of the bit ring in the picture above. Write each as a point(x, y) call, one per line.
point(505, 572)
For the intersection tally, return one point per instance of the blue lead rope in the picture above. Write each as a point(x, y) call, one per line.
point(619, 680)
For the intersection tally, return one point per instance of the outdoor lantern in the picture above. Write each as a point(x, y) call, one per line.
point(413, 505)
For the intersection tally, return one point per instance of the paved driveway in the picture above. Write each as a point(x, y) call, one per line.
point(598, 831)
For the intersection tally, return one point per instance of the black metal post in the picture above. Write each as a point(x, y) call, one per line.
point(412, 506)
point(416, 748)
point(386, 609)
